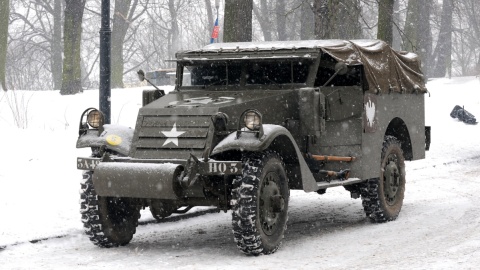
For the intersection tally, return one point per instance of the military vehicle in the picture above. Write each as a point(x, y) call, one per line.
point(254, 121)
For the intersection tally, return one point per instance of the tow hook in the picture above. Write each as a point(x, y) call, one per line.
point(190, 175)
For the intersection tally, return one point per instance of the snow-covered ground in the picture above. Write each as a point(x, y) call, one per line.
point(438, 228)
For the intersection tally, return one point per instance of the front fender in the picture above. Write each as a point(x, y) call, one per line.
point(114, 137)
point(250, 143)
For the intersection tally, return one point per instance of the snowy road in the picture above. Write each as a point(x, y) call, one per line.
point(438, 228)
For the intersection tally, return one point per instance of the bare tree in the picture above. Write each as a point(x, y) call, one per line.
point(124, 15)
point(396, 32)
point(168, 26)
point(307, 22)
point(4, 14)
point(156, 29)
point(322, 12)
point(238, 20)
point(280, 10)
point(208, 7)
point(261, 14)
point(72, 34)
point(443, 50)
point(174, 31)
point(385, 20)
point(418, 34)
point(337, 19)
point(40, 42)
point(472, 10)
point(57, 47)
point(54, 37)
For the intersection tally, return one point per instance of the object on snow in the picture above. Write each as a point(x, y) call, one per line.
point(461, 114)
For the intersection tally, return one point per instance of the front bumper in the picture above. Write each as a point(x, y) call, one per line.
point(155, 179)
point(211, 167)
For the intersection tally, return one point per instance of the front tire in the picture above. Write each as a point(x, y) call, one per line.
point(108, 221)
point(260, 204)
point(382, 197)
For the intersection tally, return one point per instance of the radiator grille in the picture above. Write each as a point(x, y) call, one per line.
point(172, 137)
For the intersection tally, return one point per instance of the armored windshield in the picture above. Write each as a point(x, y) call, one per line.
point(240, 73)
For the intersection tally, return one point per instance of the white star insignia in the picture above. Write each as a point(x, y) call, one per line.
point(172, 135)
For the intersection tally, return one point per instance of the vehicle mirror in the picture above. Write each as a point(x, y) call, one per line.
point(141, 75)
point(341, 68)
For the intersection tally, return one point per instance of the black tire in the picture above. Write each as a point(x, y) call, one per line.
point(260, 204)
point(108, 221)
point(382, 197)
point(161, 210)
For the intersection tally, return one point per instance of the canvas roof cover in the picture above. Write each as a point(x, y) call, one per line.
point(386, 70)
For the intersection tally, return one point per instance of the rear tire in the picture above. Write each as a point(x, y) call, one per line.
point(108, 221)
point(382, 197)
point(260, 204)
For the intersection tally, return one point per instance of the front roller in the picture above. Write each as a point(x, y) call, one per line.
point(138, 180)
point(260, 203)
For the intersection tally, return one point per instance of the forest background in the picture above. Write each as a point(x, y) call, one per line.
point(54, 44)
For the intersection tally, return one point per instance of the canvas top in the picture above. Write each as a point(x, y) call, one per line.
point(386, 70)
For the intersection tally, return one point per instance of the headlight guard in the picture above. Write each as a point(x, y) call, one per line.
point(91, 119)
point(251, 119)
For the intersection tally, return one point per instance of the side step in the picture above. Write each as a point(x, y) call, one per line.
point(337, 183)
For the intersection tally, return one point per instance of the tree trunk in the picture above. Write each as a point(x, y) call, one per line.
point(72, 34)
point(4, 15)
point(238, 21)
point(443, 51)
point(263, 19)
point(119, 30)
point(385, 20)
point(410, 40)
point(418, 36)
point(397, 37)
point(281, 19)
point(57, 45)
point(338, 19)
point(322, 21)
point(174, 30)
point(473, 8)
point(211, 20)
point(347, 19)
point(307, 22)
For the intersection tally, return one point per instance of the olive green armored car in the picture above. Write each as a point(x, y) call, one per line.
point(247, 123)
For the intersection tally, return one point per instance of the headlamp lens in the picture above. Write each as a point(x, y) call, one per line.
point(252, 121)
point(94, 118)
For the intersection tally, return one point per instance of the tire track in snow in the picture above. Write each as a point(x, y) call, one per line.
point(457, 161)
point(140, 223)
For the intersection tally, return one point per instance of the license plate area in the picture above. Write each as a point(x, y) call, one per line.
point(221, 168)
point(87, 163)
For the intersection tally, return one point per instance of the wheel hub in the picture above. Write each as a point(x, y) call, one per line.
point(272, 203)
point(391, 179)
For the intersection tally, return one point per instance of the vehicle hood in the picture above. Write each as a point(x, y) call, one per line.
point(180, 123)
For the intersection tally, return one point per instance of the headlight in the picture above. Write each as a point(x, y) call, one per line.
point(95, 118)
point(252, 120)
